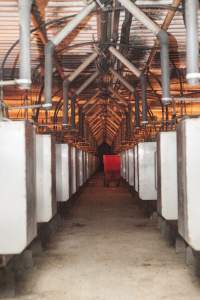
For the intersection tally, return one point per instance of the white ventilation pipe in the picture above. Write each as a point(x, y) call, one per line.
point(164, 43)
point(25, 56)
point(56, 40)
point(122, 80)
point(24, 80)
point(192, 43)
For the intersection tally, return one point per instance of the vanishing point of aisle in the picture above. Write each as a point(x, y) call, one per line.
point(108, 250)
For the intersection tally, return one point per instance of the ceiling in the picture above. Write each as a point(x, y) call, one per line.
point(108, 102)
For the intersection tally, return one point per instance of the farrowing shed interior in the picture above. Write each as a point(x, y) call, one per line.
point(91, 86)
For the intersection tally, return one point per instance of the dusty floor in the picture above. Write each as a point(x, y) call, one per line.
point(108, 250)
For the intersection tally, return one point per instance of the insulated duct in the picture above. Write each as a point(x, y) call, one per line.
point(192, 43)
point(164, 43)
point(24, 80)
point(56, 40)
point(24, 56)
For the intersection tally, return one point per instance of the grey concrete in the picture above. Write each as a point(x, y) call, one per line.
point(36, 247)
point(190, 260)
point(108, 250)
point(7, 283)
point(193, 260)
point(180, 246)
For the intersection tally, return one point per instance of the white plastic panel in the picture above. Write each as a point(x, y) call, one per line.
point(18, 224)
point(87, 166)
point(136, 169)
point(80, 167)
point(131, 167)
point(188, 146)
point(147, 171)
point(73, 170)
point(63, 191)
point(167, 175)
point(45, 178)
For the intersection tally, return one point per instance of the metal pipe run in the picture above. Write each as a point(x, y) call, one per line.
point(87, 83)
point(164, 44)
point(24, 56)
point(49, 48)
point(24, 80)
point(164, 53)
point(48, 78)
point(192, 43)
point(122, 80)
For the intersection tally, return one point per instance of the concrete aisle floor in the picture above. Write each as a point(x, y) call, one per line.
point(108, 250)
